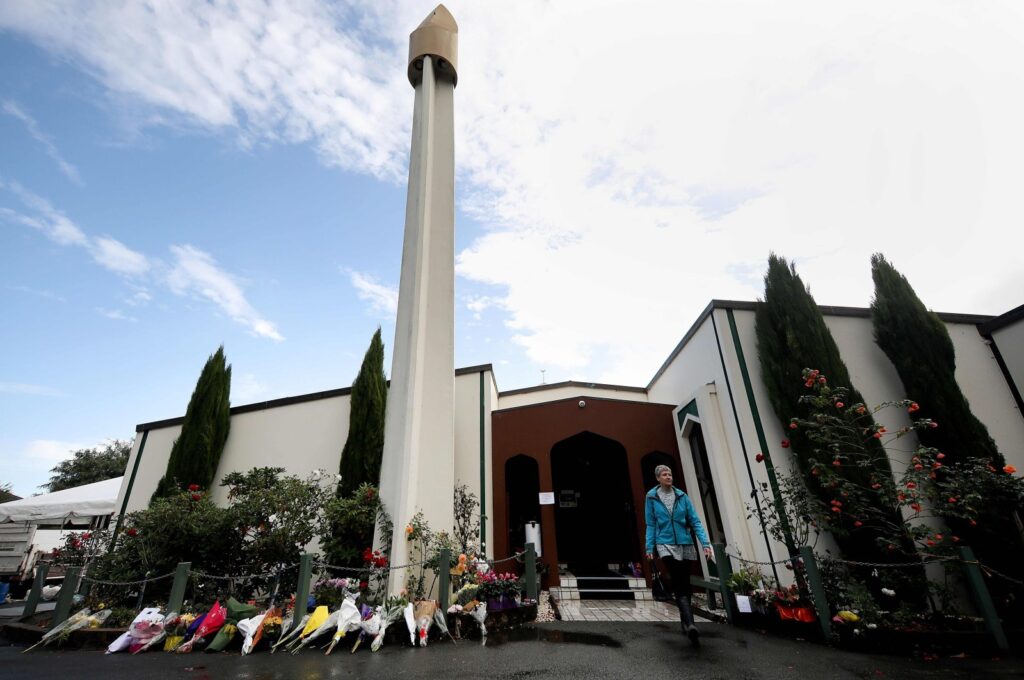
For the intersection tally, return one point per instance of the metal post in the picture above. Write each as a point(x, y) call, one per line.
point(982, 598)
point(302, 587)
point(37, 589)
point(531, 572)
point(177, 596)
point(724, 572)
point(444, 579)
point(818, 591)
point(66, 596)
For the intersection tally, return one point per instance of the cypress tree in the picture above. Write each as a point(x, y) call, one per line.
point(197, 450)
point(792, 335)
point(361, 456)
point(917, 342)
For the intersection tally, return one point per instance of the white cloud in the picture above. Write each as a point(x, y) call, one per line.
point(117, 257)
point(53, 223)
point(383, 299)
point(48, 294)
point(28, 389)
point(630, 161)
point(50, 450)
point(247, 388)
point(115, 314)
point(13, 109)
point(196, 272)
point(140, 298)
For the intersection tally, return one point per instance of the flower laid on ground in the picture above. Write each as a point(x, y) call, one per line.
point(333, 591)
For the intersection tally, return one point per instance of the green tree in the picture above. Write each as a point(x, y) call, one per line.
point(792, 336)
point(86, 466)
point(918, 344)
point(361, 456)
point(197, 450)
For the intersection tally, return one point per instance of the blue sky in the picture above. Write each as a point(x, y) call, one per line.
point(174, 177)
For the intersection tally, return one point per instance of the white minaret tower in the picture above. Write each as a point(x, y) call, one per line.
point(418, 467)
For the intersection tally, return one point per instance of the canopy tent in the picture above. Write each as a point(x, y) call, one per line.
point(80, 502)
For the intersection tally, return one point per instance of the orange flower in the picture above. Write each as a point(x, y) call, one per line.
point(408, 530)
point(1009, 469)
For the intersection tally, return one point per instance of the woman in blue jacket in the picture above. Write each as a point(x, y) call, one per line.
point(670, 517)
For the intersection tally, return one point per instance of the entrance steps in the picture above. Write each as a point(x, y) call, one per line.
point(610, 587)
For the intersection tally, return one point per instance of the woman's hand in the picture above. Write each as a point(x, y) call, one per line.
point(707, 551)
point(649, 556)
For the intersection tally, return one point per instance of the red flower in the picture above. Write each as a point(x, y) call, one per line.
point(814, 472)
point(1009, 469)
point(785, 443)
point(936, 466)
point(821, 380)
point(918, 467)
point(974, 523)
point(956, 539)
point(916, 507)
point(913, 407)
point(840, 404)
point(858, 523)
point(931, 542)
point(369, 494)
point(911, 485)
point(367, 555)
point(363, 585)
point(759, 457)
point(938, 537)
point(876, 485)
point(861, 410)
point(933, 424)
point(86, 536)
point(877, 435)
point(952, 499)
point(792, 426)
point(132, 532)
point(836, 462)
point(836, 509)
point(809, 383)
point(940, 456)
point(193, 487)
point(197, 496)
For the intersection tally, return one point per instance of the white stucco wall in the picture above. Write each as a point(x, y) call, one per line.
point(467, 434)
point(986, 389)
point(1010, 340)
point(557, 391)
point(299, 437)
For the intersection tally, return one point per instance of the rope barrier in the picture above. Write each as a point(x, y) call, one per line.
point(97, 581)
point(763, 564)
point(992, 572)
point(506, 559)
point(243, 577)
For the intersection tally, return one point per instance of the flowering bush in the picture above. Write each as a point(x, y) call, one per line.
point(333, 591)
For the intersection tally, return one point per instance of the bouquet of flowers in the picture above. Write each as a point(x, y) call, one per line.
point(348, 619)
point(314, 630)
point(139, 631)
point(269, 628)
point(466, 594)
point(79, 620)
point(494, 585)
point(423, 612)
point(369, 626)
point(176, 630)
point(159, 637)
point(211, 623)
point(393, 609)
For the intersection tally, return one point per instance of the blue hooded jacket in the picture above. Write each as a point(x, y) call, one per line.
point(674, 529)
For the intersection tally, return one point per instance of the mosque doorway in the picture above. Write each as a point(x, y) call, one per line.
point(595, 518)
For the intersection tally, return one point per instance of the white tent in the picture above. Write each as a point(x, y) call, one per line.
point(81, 502)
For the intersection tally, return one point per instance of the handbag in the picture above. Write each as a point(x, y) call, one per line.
point(658, 590)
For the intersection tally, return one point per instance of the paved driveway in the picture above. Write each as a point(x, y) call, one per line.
point(633, 651)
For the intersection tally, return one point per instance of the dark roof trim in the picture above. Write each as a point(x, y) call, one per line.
point(541, 404)
point(827, 310)
point(1002, 321)
point(572, 383)
point(288, 401)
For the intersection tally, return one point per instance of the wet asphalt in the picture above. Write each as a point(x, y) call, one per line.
point(637, 651)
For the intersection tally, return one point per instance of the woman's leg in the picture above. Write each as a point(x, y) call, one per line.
point(679, 570)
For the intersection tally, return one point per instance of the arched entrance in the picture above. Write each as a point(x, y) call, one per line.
point(595, 518)
point(522, 488)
